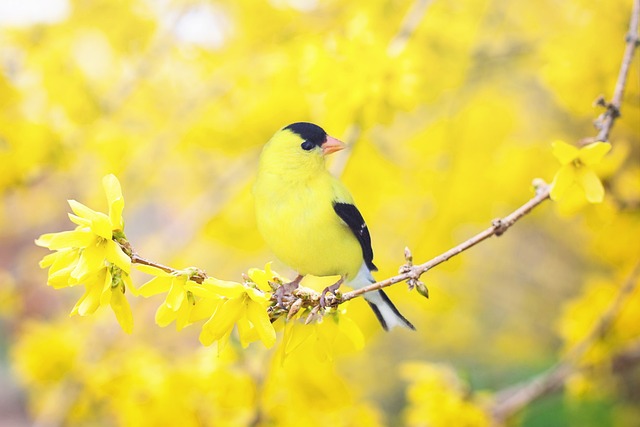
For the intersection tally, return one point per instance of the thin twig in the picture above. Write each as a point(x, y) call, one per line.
point(195, 274)
point(498, 227)
point(605, 122)
point(408, 27)
point(514, 398)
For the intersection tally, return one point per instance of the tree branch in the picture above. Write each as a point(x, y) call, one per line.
point(195, 274)
point(605, 121)
point(408, 27)
point(498, 227)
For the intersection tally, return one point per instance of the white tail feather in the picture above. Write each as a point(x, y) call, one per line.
point(387, 313)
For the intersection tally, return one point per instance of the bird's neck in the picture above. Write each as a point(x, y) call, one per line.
point(293, 170)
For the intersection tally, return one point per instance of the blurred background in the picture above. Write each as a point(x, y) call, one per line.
point(449, 109)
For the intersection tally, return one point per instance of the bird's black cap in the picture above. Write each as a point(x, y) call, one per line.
point(313, 135)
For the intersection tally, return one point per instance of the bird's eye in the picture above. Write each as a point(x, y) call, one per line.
point(307, 145)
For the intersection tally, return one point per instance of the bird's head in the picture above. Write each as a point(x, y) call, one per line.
point(301, 146)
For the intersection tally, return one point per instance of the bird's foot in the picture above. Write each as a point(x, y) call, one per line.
point(286, 289)
point(333, 288)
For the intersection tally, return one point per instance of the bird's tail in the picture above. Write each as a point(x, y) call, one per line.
point(387, 313)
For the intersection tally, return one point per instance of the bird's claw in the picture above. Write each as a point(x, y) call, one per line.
point(333, 288)
point(286, 289)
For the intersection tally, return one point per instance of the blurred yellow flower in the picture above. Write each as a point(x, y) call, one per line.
point(237, 304)
point(61, 342)
point(331, 335)
point(89, 256)
point(575, 172)
point(438, 398)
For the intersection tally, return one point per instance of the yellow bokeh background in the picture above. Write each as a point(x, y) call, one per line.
point(449, 109)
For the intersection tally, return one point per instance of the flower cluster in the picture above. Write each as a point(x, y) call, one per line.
point(89, 256)
point(225, 304)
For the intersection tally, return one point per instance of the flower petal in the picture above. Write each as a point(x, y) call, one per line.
point(128, 283)
point(564, 152)
point(183, 315)
point(100, 223)
point(157, 285)
point(295, 333)
point(91, 261)
point(564, 178)
point(82, 222)
point(263, 277)
point(204, 309)
point(591, 184)
point(258, 296)
point(206, 337)
point(48, 260)
point(246, 332)
point(351, 330)
point(45, 240)
point(66, 239)
point(224, 318)
point(258, 316)
point(202, 290)
point(176, 294)
point(164, 315)
point(60, 278)
point(149, 269)
point(64, 262)
point(113, 191)
point(90, 301)
point(592, 154)
point(81, 210)
point(115, 255)
point(122, 310)
point(107, 289)
point(223, 288)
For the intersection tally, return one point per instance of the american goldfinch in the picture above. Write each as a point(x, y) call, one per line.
point(309, 219)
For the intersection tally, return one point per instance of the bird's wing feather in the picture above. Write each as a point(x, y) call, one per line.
point(353, 218)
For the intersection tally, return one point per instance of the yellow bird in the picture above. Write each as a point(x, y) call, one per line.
point(309, 219)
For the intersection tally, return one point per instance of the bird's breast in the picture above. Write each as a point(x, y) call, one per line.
point(297, 220)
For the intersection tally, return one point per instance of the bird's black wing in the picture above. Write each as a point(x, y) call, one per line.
point(353, 218)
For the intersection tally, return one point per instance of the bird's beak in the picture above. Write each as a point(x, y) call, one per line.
point(331, 145)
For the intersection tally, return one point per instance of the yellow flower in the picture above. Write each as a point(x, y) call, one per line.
point(438, 397)
point(332, 334)
point(262, 277)
point(576, 173)
point(236, 304)
point(89, 256)
point(107, 287)
point(90, 247)
point(46, 353)
point(179, 302)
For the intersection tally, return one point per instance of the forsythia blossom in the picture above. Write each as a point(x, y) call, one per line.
point(576, 173)
point(89, 256)
point(330, 335)
point(178, 304)
point(234, 303)
point(438, 398)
